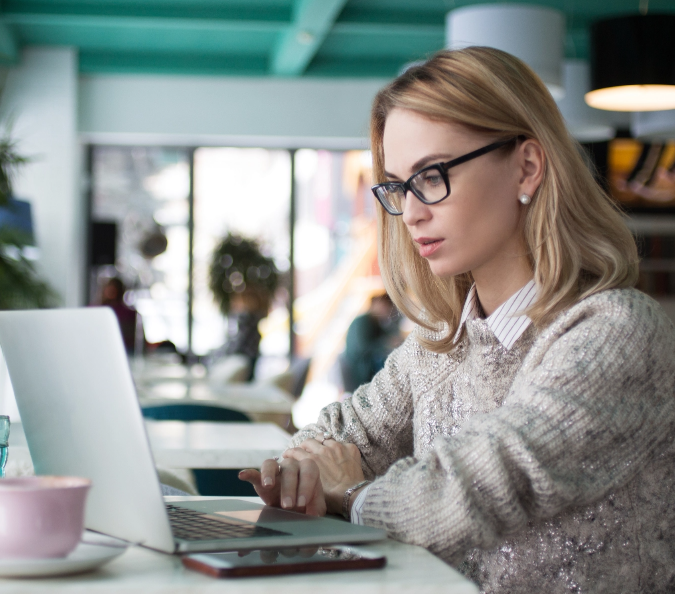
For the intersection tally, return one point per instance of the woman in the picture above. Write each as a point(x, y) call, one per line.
point(524, 432)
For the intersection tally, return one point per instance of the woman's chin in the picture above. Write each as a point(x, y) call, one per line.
point(447, 270)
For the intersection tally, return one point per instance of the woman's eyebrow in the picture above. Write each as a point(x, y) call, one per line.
point(420, 163)
point(429, 159)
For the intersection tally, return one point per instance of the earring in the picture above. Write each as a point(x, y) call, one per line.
point(525, 199)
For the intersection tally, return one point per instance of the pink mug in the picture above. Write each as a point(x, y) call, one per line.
point(41, 517)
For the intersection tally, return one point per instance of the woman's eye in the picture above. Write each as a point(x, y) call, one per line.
point(432, 179)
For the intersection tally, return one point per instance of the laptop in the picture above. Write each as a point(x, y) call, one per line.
point(81, 417)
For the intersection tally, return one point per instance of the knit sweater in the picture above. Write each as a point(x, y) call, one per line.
point(549, 467)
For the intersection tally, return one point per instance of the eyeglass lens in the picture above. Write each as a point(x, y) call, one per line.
point(429, 185)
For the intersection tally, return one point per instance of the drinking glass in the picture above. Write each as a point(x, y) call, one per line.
point(4, 437)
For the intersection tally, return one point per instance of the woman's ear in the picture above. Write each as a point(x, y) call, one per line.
point(532, 161)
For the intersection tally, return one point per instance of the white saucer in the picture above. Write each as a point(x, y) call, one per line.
point(84, 557)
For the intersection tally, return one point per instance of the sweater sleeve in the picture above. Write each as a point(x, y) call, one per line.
point(377, 417)
point(592, 402)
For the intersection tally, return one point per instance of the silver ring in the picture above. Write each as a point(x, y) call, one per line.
point(278, 464)
point(327, 435)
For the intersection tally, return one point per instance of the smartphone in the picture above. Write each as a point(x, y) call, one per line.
point(283, 561)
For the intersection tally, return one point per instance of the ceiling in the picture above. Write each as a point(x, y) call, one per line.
point(331, 38)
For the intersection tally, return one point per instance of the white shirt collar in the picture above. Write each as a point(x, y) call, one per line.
point(502, 322)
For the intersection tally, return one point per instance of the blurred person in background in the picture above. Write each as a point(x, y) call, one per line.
point(371, 337)
point(128, 318)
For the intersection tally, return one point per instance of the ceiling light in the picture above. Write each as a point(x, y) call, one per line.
point(532, 33)
point(633, 63)
point(584, 123)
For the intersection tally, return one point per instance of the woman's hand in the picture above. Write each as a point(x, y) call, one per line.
point(339, 465)
point(290, 484)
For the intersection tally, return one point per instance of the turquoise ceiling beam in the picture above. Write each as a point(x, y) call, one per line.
point(252, 10)
point(171, 64)
point(312, 21)
point(389, 29)
point(8, 47)
point(66, 21)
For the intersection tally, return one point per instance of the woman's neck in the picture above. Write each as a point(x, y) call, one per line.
point(494, 287)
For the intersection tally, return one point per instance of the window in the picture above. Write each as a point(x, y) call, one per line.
point(194, 197)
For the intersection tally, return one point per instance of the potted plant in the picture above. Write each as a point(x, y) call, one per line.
point(20, 286)
point(243, 282)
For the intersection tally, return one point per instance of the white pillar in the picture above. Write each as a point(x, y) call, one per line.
point(40, 97)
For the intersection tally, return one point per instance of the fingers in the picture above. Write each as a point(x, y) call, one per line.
point(309, 477)
point(314, 446)
point(268, 493)
point(289, 483)
point(298, 453)
point(269, 471)
point(327, 447)
point(298, 487)
point(252, 476)
point(318, 505)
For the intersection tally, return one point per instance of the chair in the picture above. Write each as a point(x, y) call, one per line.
point(292, 380)
point(210, 482)
point(193, 412)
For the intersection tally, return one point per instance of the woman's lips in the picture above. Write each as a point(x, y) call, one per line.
point(428, 246)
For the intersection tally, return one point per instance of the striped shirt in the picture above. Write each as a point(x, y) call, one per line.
point(507, 323)
point(503, 322)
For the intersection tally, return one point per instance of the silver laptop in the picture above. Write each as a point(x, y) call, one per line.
point(81, 417)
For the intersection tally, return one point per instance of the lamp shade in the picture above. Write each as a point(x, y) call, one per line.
point(653, 125)
point(584, 123)
point(532, 33)
point(633, 63)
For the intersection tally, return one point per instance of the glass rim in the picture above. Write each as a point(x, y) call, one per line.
point(442, 168)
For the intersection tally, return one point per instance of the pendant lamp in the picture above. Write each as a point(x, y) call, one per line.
point(633, 63)
point(653, 125)
point(532, 33)
point(584, 123)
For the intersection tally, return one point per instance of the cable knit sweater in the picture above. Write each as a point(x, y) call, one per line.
point(549, 467)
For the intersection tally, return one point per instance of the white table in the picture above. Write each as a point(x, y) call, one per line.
point(159, 380)
point(248, 398)
point(409, 569)
point(193, 445)
point(214, 445)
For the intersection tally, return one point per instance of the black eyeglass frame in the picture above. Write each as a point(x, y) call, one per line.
point(442, 168)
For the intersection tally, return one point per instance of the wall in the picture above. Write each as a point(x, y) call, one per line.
point(277, 112)
point(40, 97)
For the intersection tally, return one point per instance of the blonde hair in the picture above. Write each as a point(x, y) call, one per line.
point(577, 241)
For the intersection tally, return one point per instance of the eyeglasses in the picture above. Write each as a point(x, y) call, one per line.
point(430, 184)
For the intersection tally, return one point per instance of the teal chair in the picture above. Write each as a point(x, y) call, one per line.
point(210, 482)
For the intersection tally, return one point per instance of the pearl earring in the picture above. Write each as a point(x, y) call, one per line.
point(525, 199)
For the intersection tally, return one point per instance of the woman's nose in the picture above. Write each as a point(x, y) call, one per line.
point(414, 210)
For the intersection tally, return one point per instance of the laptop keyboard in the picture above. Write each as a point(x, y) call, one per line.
point(192, 525)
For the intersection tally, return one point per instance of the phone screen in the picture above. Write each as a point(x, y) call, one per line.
point(250, 562)
point(284, 556)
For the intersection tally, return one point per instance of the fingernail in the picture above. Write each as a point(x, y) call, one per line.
point(268, 481)
point(286, 502)
point(239, 474)
point(301, 501)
